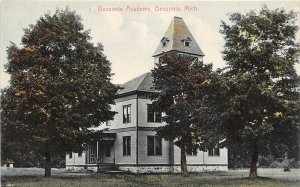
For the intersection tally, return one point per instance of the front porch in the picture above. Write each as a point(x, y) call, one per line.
point(100, 152)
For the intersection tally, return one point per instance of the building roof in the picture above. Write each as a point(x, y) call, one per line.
point(175, 36)
point(141, 83)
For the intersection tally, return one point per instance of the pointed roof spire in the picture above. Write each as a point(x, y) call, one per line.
point(178, 38)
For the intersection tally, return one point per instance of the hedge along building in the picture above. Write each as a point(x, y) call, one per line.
point(130, 143)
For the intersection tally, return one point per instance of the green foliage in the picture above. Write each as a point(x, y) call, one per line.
point(260, 82)
point(270, 161)
point(184, 84)
point(59, 88)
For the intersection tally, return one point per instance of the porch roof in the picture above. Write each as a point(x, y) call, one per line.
point(103, 136)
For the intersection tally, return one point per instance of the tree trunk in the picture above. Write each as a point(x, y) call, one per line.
point(183, 159)
point(254, 159)
point(47, 162)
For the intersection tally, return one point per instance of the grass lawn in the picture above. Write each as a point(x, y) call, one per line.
point(127, 179)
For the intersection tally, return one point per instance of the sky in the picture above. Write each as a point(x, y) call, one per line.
point(131, 37)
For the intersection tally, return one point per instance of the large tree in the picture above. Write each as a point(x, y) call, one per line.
point(261, 83)
point(59, 88)
point(183, 83)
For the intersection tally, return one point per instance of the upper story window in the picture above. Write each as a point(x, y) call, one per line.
point(126, 114)
point(191, 150)
point(80, 154)
point(70, 155)
point(164, 41)
point(215, 151)
point(154, 145)
point(126, 145)
point(153, 115)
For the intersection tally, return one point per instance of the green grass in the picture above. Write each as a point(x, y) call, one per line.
point(106, 180)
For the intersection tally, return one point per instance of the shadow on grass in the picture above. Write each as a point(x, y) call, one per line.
point(252, 179)
point(13, 179)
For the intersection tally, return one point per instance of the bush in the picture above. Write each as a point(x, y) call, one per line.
point(271, 162)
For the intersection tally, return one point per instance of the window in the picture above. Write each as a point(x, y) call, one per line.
point(215, 151)
point(107, 152)
point(126, 146)
point(153, 115)
point(80, 154)
point(164, 41)
point(191, 150)
point(70, 155)
point(126, 114)
point(108, 123)
point(186, 43)
point(154, 145)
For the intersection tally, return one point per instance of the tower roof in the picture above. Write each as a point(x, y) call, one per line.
point(175, 37)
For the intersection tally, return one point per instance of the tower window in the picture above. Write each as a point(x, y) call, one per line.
point(164, 41)
point(186, 41)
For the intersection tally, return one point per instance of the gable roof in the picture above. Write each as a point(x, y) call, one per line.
point(141, 83)
point(174, 37)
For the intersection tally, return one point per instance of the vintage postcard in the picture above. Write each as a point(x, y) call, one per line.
point(130, 39)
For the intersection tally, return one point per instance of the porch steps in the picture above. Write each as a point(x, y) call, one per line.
point(116, 171)
point(108, 168)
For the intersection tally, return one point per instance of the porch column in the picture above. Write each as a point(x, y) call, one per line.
point(97, 150)
point(87, 156)
point(171, 156)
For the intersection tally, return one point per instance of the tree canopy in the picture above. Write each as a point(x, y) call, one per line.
point(261, 86)
point(60, 87)
point(183, 83)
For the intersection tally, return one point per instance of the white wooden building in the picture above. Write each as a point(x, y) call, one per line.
point(130, 142)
